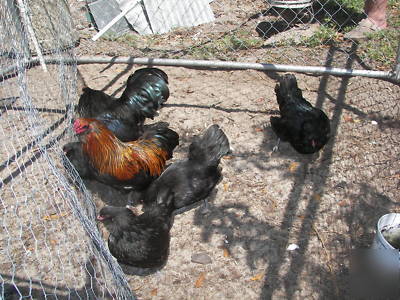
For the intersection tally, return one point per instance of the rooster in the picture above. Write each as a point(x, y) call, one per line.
point(131, 165)
point(139, 243)
point(146, 91)
point(193, 179)
point(305, 127)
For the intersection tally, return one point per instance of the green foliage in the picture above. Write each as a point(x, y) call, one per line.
point(127, 38)
point(234, 41)
point(381, 47)
point(356, 5)
point(324, 36)
point(241, 40)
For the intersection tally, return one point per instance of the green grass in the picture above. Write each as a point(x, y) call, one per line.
point(127, 39)
point(380, 46)
point(234, 41)
point(325, 35)
point(356, 5)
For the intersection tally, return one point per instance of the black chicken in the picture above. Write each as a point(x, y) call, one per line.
point(74, 153)
point(146, 91)
point(305, 127)
point(140, 243)
point(192, 179)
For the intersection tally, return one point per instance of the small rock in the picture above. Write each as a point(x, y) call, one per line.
point(341, 185)
point(201, 258)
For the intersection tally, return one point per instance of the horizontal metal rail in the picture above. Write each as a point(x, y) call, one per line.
point(228, 65)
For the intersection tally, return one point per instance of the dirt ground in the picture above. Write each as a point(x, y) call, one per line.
point(327, 204)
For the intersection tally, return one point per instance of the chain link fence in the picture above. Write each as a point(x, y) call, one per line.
point(283, 35)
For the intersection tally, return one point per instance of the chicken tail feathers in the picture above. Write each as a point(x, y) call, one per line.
point(210, 147)
point(146, 72)
point(287, 89)
point(146, 91)
point(164, 137)
point(93, 103)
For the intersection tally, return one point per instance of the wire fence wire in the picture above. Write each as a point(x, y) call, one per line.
point(50, 246)
point(260, 31)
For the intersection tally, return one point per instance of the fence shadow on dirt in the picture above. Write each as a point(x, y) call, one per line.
point(260, 239)
point(28, 147)
point(297, 263)
point(38, 290)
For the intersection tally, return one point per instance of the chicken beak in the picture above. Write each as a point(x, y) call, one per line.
point(100, 218)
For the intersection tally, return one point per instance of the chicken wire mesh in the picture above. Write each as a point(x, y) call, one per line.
point(50, 245)
point(49, 229)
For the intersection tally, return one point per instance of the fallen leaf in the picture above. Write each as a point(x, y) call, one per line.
point(258, 129)
point(55, 216)
point(228, 157)
point(260, 99)
point(348, 118)
point(53, 242)
point(199, 282)
point(293, 167)
point(343, 203)
point(317, 197)
point(226, 187)
point(257, 277)
point(274, 204)
point(226, 253)
point(153, 292)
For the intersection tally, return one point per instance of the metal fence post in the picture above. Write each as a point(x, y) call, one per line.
point(396, 68)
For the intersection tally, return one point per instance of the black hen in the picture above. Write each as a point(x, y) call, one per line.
point(93, 103)
point(192, 179)
point(74, 153)
point(305, 127)
point(145, 92)
point(139, 243)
